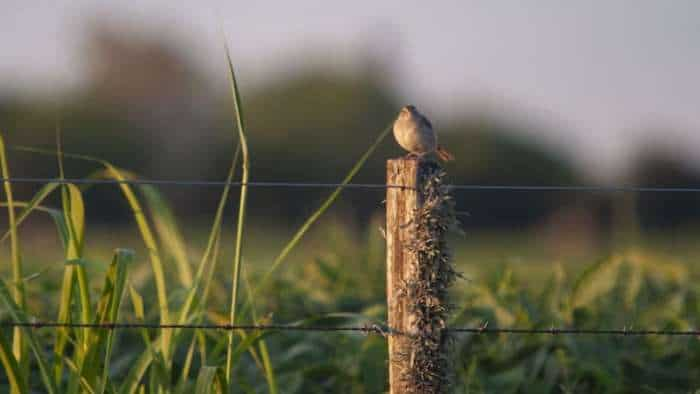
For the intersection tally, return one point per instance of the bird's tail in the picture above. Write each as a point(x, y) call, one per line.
point(443, 154)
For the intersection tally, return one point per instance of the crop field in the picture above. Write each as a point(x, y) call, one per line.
point(154, 268)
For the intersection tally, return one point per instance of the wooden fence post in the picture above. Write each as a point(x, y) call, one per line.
point(419, 213)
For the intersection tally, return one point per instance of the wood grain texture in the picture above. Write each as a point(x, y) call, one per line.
point(401, 207)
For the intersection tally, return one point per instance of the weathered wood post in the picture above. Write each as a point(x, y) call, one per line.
point(419, 212)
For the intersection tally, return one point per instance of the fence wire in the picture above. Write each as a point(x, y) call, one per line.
point(364, 329)
point(322, 185)
point(367, 328)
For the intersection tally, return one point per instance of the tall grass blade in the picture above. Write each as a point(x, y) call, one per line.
point(209, 278)
point(108, 312)
point(80, 381)
point(10, 366)
point(66, 296)
point(113, 172)
point(241, 209)
point(211, 378)
point(201, 307)
point(62, 229)
point(19, 348)
point(74, 210)
point(74, 221)
point(214, 234)
point(18, 315)
point(206, 267)
point(63, 317)
point(130, 384)
point(187, 365)
point(318, 213)
point(267, 365)
point(168, 231)
point(55, 214)
point(268, 370)
point(29, 207)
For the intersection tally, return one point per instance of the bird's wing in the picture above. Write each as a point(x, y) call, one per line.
point(425, 121)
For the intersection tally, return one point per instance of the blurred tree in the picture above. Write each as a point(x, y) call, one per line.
point(312, 127)
point(492, 152)
point(659, 166)
point(148, 107)
point(151, 84)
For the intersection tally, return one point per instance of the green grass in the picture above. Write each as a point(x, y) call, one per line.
point(335, 270)
point(245, 177)
point(158, 271)
point(75, 365)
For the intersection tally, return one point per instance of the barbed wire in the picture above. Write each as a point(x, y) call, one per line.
point(364, 329)
point(576, 331)
point(323, 185)
point(167, 182)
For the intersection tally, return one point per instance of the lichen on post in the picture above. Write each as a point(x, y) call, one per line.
point(420, 212)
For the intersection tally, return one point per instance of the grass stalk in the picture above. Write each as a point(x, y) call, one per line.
point(276, 263)
point(267, 367)
point(74, 222)
point(113, 172)
point(35, 202)
point(241, 211)
point(168, 232)
point(209, 256)
point(113, 293)
point(110, 171)
point(18, 315)
point(10, 366)
point(19, 347)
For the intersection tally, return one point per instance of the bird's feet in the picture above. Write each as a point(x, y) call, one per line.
point(418, 156)
point(413, 156)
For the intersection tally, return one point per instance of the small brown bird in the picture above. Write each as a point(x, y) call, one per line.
point(414, 133)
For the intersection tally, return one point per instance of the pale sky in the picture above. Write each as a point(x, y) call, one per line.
point(598, 75)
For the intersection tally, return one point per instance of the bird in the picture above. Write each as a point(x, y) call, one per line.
point(414, 133)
